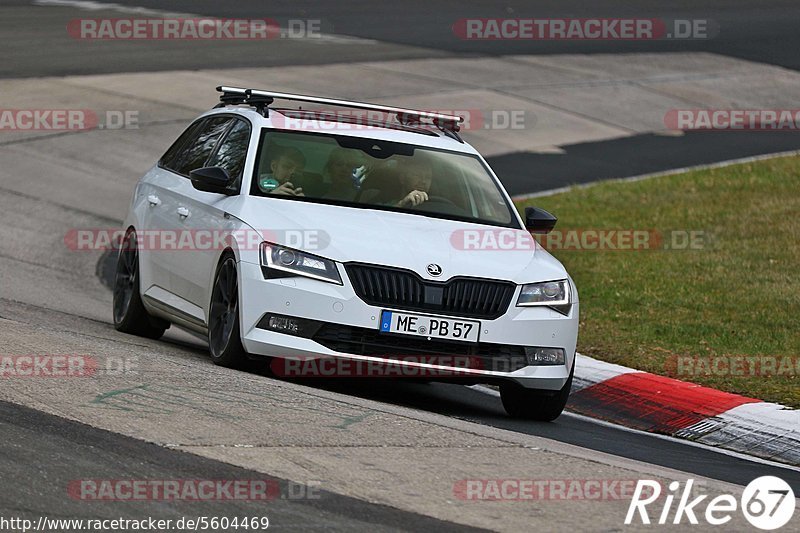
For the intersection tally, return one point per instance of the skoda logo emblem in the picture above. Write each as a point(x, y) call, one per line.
point(434, 270)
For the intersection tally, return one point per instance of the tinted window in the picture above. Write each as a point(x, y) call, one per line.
point(168, 160)
point(378, 174)
point(195, 153)
point(232, 151)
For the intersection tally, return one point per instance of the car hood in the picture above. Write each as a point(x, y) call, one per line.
point(402, 240)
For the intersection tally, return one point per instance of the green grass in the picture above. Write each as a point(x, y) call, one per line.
point(738, 296)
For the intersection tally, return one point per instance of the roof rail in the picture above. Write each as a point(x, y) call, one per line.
point(261, 100)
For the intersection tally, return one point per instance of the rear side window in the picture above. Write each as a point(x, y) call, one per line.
point(196, 151)
point(169, 159)
point(232, 151)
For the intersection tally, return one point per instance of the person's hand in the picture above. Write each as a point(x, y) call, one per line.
point(413, 199)
point(288, 189)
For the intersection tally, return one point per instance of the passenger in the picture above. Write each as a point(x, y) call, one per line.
point(339, 172)
point(286, 165)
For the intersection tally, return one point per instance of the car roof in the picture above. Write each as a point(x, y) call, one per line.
point(286, 120)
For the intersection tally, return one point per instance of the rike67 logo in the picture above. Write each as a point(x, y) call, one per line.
point(768, 503)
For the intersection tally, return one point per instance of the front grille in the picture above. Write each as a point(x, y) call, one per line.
point(366, 341)
point(403, 289)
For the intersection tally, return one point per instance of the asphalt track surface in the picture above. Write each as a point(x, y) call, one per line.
point(526, 172)
point(469, 404)
point(35, 44)
point(39, 452)
point(763, 31)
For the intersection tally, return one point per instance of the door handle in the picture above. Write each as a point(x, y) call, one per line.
point(183, 212)
point(154, 200)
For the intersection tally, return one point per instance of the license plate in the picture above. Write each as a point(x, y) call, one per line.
point(430, 326)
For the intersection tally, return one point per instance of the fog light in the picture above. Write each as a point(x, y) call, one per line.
point(283, 324)
point(544, 356)
point(290, 325)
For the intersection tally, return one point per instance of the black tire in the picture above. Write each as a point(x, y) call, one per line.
point(224, 339)
point(130, 316)
point(531, 404)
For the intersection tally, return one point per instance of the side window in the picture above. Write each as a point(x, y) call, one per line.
point(232, 152)
point(189, 135)
point(195, 153)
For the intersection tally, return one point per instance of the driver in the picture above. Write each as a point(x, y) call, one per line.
point(415, 178)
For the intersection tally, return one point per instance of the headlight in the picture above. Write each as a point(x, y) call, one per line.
point(550, 293)
point(299, 263)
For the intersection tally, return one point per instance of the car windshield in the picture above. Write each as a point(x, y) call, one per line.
point(379, 174)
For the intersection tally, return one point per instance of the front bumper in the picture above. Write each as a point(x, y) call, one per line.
point(338, 304)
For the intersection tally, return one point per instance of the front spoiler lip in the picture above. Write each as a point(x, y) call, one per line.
point(549, 383)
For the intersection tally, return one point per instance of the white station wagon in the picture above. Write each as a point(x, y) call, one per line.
point(353, 233)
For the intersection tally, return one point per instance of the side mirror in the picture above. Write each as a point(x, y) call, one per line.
point(211, 179)
point(539, 221)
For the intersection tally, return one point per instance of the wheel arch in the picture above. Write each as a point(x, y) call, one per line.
point(229, 250)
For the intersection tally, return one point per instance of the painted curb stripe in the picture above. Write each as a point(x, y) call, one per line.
point(648, 402)
point(590, 372)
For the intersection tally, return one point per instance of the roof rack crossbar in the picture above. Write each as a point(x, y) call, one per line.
point(235, 95)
